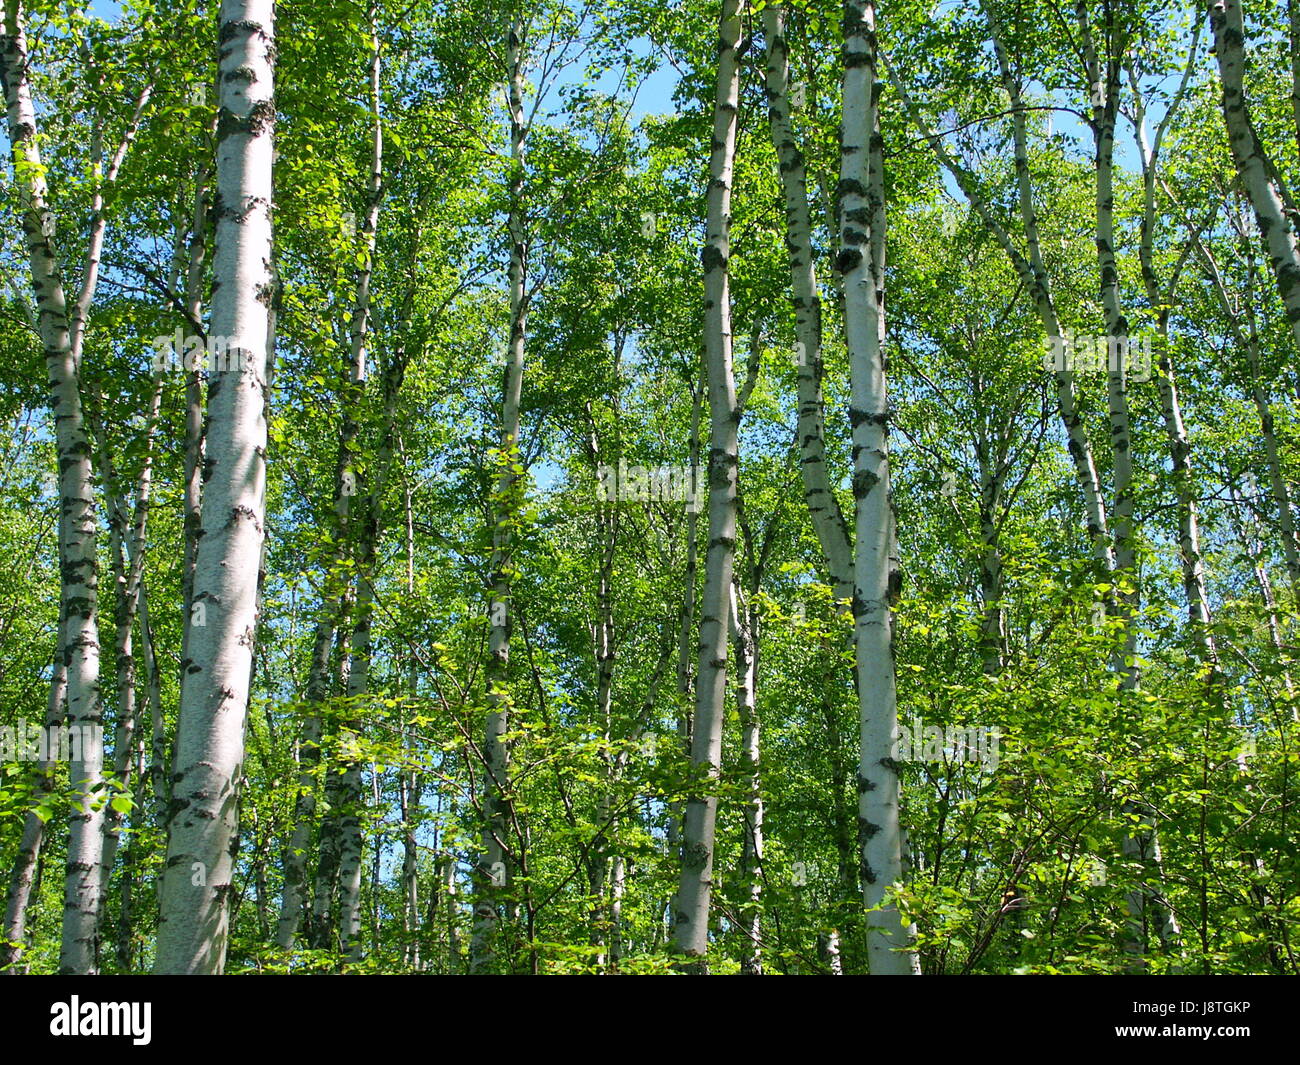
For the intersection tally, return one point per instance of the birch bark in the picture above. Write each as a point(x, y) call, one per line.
point(1258, 175)
point(1161, 299)
point(604, 640)
point(78, 608)
point(745, 630)
point(1293, 47)
point(691, 927)
point(823, 507)
point(193, 522)
point(1103, 77)
point(861, 263)
point(193, 918)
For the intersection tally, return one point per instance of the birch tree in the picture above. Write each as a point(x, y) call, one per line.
point(691, 931)
point(193, 922)
point(493, 869)
point(876, 573)
point(1259, 175)
point(62, 331)
point(823, 507)
point(1031, 268)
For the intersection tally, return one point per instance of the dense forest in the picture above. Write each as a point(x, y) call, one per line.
point(650, 487)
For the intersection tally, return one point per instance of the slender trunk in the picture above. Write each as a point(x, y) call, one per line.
point(447, 874)
point(1180, 448)
point(823, 507)
point(819, 497)
point(1293, 41)
point(993, 627)
point(828, 948)
point(149, 806)
point(691, 933)
point(617, 892)
point(193, 919)
point(350, 841)
point(412, 781)
point(193, 470)
point(1198, 608)
point(347, 486)
point(358, 686)
point(686, 630)
point(745, 637)
point(1258, 174)
point(1103, 72)
point(158, 784)
point(260, 902)
point(127, 553)
point(127, 580)
point(125, 928)
point(367, 535)
point(843, 818)
point(1248, 341)
point(1252, 541)
point(1189, 535)
point(1249, 338)
point(1033, 273)
point(492, 873)
point(861, 262)
point(350, 847)
point(322, 927)
point(78, 635)
point(1103, 75)
point(295, 855)
point(29, 844)
point(607, 524)
point(409, 798)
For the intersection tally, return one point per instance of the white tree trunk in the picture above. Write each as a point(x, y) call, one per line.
point(1248, 532)
point(686, 631)
point(295, 857)
point(193, 520)
point(1040, 289)
point(828, 947)
point(78, 638)
point(192, 934)
point(604, 633)
point(409, 793)
point(29, 844)
point(1257, 173)
point(691, 926)
point(745, 637)
point(876, 572)
point(1180, 449)
point(1293, 35)
point(1103, 80)
point(823, 507)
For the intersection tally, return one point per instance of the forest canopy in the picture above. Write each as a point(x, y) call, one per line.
point(647, 487)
